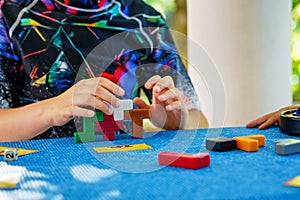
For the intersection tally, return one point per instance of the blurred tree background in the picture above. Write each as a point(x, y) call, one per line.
point(174, 11)
point(295, 80)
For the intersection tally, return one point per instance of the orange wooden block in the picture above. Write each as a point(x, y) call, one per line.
point(246, 144)
point(137, 116)
point(127, 115)
point(260, 138)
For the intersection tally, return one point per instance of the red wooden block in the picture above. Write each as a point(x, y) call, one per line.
point(109, 135)
point(190, 161)
point(109, 118)
point(109, 126)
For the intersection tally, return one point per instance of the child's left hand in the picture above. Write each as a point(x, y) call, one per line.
point(269, 119)
point(167, 109)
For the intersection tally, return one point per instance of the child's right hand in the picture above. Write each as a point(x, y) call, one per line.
point(83, 98)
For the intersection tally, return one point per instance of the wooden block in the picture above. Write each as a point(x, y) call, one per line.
point(137, 116)
point(189, 161)
point(99, 116)
point(109, 135)
point(127, 115)
point(88, 133)
point(287, 147)
point(260, 138)
point(109, 126)
point(125, 104)
point(119, 115)
point(10, 154)
point(220, 144)
point(246, 144)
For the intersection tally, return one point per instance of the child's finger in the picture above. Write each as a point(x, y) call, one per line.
point(171, 94)
point(152, 81)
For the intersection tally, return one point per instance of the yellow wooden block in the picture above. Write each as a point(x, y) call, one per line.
point(246, 144)
point(122, 148)
point(293, 182)
point(21, 151)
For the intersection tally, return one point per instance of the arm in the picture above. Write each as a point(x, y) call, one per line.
point(80, 100)
point(196, 119)
point(269, 119)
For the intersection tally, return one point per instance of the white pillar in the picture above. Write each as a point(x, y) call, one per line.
point(249, 43)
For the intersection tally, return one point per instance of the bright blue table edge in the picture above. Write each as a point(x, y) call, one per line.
point(67, 170)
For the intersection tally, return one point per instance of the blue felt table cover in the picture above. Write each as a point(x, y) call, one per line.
point(67, 170)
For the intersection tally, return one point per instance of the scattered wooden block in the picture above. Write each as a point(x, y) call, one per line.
point(189, 161)
point(220, 144)
point(260, 138)
point(246, 144)
point(287, 147)
point(10, 154)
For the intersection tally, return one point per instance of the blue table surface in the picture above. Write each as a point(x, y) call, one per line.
point(67, 170)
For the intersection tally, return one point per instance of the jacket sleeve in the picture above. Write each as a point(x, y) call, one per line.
point(8, 63)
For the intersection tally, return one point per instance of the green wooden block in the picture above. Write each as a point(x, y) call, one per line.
point(84, 137)
point(88, 133)
point(100, 116)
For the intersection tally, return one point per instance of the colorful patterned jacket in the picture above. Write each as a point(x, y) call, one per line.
point(48, 45)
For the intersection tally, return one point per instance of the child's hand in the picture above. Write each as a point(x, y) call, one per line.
point(83, 98)
point(269, 119)
point(167, 109)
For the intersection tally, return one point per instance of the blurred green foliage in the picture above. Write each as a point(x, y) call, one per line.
point(165, 7)
point(295, 79)
point(168, 7)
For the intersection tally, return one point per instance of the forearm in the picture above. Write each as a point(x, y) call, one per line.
point(25, 122)
point(195, 120)
point(29, 121)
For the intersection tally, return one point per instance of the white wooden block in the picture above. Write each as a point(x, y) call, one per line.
point(118, 115)
point(125, 104)
point(10, 155)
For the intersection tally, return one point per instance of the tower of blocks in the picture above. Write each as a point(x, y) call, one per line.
point(108, 124)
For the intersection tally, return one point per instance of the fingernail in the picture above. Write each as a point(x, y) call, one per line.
point(122, 91)
point(169, 107)
point(157, 88)
point(148, 85)
point(117, 103)
point(162, 97)
point(109, 111)
point(90, 113)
